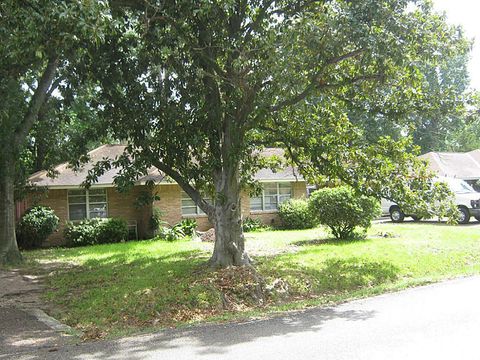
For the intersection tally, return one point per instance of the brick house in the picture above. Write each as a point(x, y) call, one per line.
point(71, 202)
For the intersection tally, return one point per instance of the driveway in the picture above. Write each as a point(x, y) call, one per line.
point(440, 321)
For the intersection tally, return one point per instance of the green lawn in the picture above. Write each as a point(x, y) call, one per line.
point(121, 288)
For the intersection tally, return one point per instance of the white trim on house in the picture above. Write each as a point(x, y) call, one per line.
point(87, 203)
point(278, 195)
point(198, 212)
point(75, 187)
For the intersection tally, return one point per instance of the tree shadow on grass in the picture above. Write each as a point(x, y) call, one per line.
point(334, 275)
point(353, 273)
point(331, 241)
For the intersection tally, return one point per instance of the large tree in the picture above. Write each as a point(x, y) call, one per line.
point(467, 136)
point(40, 39)
point(196, 87)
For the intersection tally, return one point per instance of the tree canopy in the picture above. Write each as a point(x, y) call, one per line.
point(197, 87)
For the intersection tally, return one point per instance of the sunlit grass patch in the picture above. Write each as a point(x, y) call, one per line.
point(120, 288)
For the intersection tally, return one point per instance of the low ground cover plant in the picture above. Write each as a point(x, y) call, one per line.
point(179, 231)
point(170, 233)
point(249, 224)
point(187, 226)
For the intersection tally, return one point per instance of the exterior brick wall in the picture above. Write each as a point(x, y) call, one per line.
point(299, 189)
point(119, 205)
point(122, 205)
point(170, 204)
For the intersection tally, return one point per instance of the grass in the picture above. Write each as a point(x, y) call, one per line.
point(122, 288)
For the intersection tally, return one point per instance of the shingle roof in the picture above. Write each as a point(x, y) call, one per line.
point(67, 177)
point(464, 166)
point(288, 173)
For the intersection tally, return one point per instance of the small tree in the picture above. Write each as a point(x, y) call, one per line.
point(342, 210)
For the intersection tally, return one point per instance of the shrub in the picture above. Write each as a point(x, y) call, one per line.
point(342, 210)
point(296, 214)
point(187, 226)
point(96, 231)
point(35, 226)
point(170, 234)
point(112, 230)
point(250, 224)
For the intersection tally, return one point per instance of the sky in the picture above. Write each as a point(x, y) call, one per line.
point(467, 14)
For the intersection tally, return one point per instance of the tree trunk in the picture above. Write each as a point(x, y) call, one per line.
point(9, 253)
point(229, 239)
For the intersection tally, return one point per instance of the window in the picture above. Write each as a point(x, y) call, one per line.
point(189, 207)
point(87, 204)
point(272, 195)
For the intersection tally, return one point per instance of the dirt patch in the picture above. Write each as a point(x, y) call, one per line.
point(208, 236)
point(24, 326)
point(20, 290)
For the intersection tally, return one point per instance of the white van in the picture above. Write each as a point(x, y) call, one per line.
point(466, 198)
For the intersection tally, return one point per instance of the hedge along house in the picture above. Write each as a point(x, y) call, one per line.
point(71, 202)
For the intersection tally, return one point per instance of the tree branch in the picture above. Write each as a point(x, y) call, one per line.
point(38, 99)
point(336, 60)
point(189, 189)
point(316, 82)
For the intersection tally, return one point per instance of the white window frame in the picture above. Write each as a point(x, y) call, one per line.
point(87, 202)
point(278, 195)
point(198, 211)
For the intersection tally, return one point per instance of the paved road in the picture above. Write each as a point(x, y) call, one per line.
point(440, 321)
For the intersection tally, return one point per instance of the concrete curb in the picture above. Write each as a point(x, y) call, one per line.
point(52, 323)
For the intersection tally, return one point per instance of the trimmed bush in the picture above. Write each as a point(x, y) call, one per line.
point(342, 210)
point(35, 226)
point(296, 214)
point(96, 231)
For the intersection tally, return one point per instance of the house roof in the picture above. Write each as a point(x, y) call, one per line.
point(464, 166)
point(288, 173)
point(67, 177)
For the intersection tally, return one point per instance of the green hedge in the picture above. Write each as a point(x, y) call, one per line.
point(96, 231)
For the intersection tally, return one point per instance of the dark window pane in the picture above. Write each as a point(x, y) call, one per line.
point(77, 211)
point(256, 203)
